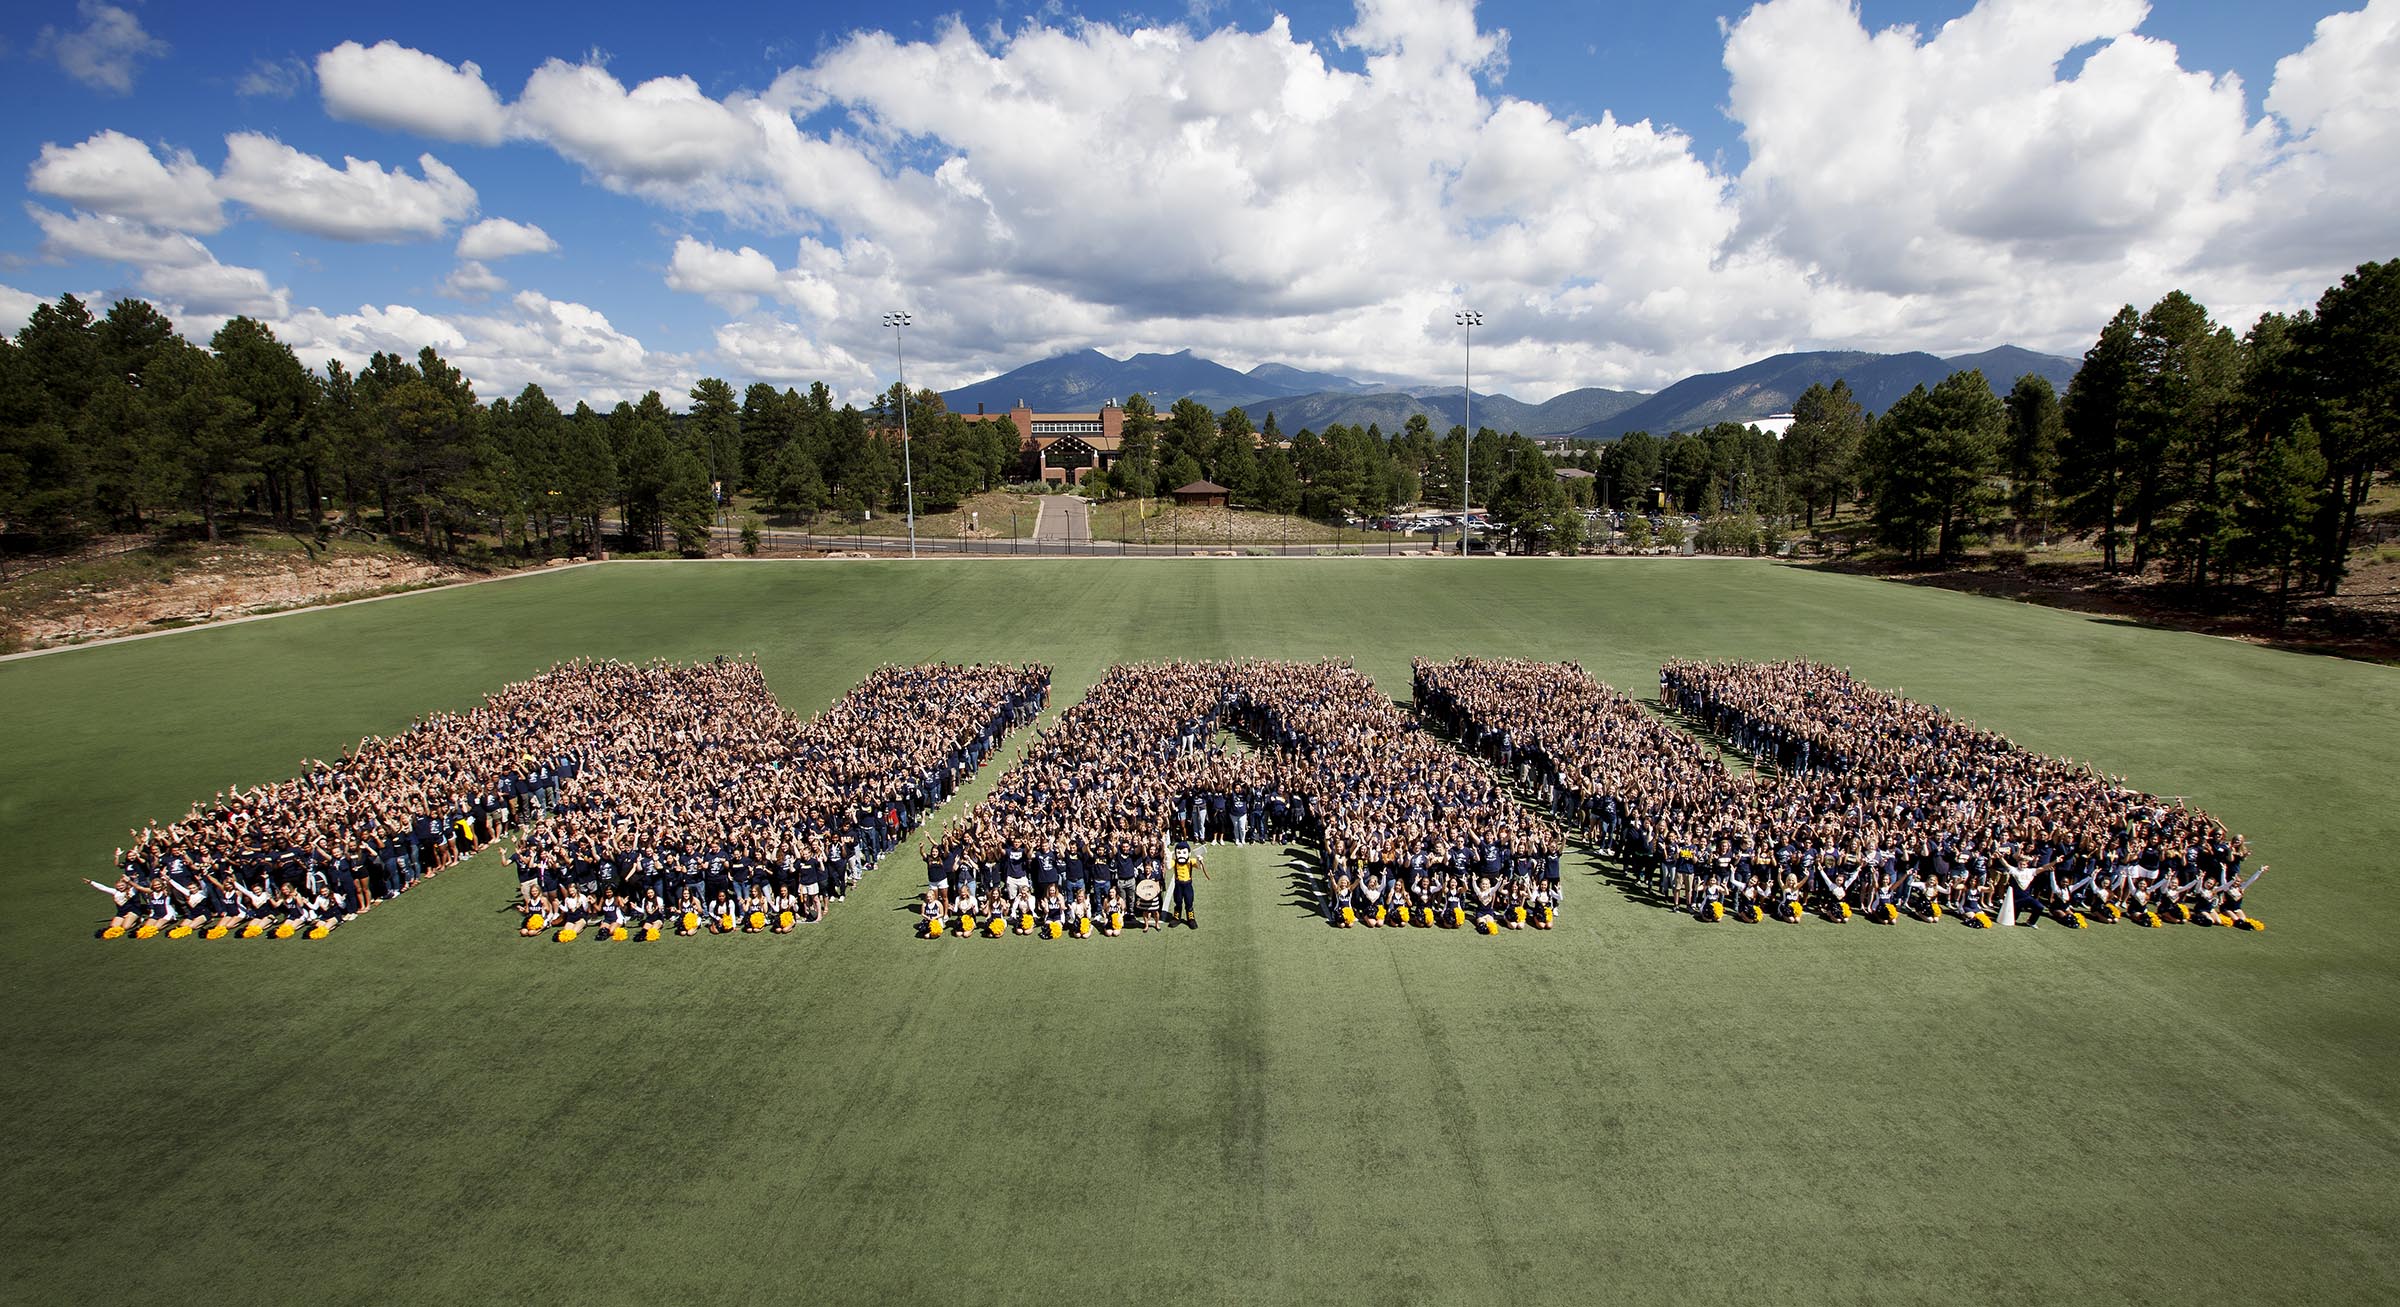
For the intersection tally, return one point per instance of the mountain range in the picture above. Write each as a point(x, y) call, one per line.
point(1085, 379)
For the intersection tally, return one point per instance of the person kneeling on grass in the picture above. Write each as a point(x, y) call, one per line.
point(1112, 909)
point(127, 899)
point(539, 912)
point(651, 908)
point(933, 915)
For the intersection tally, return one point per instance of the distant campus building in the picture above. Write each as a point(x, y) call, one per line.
point(1063, 447)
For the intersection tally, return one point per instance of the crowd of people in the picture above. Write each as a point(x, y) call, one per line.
point(1108, 813)
point(719, 813)
point(301, 856)
point(1863, 803)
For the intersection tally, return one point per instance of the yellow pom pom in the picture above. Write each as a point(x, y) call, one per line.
point(995, 928)
point(1379, 911)
point(147, 930)
point(218, 931)
point(319, 931)
point(725, 921)
point(1845, 910)
point(1488, 926)
point(1083, 928)
point(179, 930)
point(568, 935)
point(253, 929)
point(966, 922)
point(1934, 910)
point(933, 928)
point(1349, 916)
point(1458, 916)
point(1025, 921)
point(758, 920)
point(619, 934)
point(1056, 930)
point(535, 922)
point(1425, 917)
point(784, 919)
point(285, 930)
point(1519, 913)
point(2080, 923)
point(649, 934)
point(1116, 921)
point(2254, 923)
point(691, 921)
point(113, 932)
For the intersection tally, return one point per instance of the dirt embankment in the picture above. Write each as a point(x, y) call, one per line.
point(2363, 621)
point(149, 590)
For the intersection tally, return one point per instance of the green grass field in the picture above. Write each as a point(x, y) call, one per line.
point(1632, 1108)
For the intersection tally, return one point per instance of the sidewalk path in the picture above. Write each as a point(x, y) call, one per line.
point(1063, 517)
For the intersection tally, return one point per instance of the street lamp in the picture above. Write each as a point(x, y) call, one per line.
point(1469, 319)
point(898, 322)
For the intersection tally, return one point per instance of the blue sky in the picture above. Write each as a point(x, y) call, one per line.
point(1323, 192)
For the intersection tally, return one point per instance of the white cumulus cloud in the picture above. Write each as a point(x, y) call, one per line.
point(471, 280)
point(15, 307)
point(113, 173)
point(501, 238)
point(103, 52)
point(360, 201)
point(390, 85)
point(569, 349)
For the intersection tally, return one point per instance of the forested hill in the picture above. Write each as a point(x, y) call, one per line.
point(1086, 379)
point(1771, 385)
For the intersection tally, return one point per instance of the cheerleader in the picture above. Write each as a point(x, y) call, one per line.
point(1487, 902)
point(124, 898)
point(1787, 898)
point(610, 912)
point(574, 906)
point(1371, 888)
point(1341, 909)
point(1112, 907)
point(785, 907)
point(651, 908)
point(1758, 892)
point(1079, 915)
point(537, 907)
point(320, 909)
point(1541, 906)
point(2229, 904)
point(1709, 901)
point(722, 910)
point(1021, 911)
point(1054, 911)
point(1928, 897)
point(1454, 903)
point(934, 910)
point(965, 908)
point(1400, 904)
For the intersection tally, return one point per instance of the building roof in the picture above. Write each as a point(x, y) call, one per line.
point(1574, 474)
point(1200, 488)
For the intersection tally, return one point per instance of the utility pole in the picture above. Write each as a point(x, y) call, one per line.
point(1469, 319)
point(898, 322)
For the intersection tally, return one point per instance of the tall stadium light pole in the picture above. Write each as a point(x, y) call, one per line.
point(898, 322)
point(1469, 319)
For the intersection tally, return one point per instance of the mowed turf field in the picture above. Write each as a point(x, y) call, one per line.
point(1632, 1108)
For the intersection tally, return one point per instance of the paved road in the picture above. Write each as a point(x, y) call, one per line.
point(1063, 517)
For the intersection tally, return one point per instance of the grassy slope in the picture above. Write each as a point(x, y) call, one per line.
point(426, 1107)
